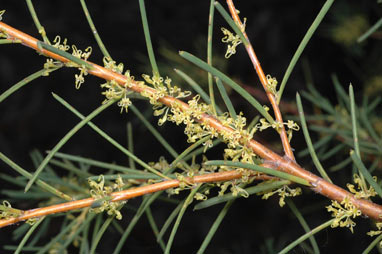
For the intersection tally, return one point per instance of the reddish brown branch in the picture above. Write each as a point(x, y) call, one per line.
point(124, 195)
point(256, 64)
point(285, 164)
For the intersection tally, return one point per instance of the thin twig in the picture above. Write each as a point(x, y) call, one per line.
point(278, 162)
point(124, 195)
point(256, 64)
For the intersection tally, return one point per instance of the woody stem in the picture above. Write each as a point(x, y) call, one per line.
point(256, 64)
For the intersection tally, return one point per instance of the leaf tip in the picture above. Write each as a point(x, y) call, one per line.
point(28, 185)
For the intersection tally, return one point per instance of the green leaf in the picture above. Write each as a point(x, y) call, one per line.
point(309, 141)
point(24, 82)
point(226, 99)
point(27, 235)
point(229, 82)
point(143, 175)
point(329, 130)
point(142, 208)
point(320, 102)
point(154, 227)
point(373, 104)
point(340, 165)
point(169, 220)
point(306, 236)
point(59, 236)
point(99, 164)
point(209, 54)
point(354, 121)
point(94, 30)
point(342, 96)
point(39, 182)
point(186, 152)
point(321, 142)
point(130, 143)
point(261, 169)
point(367, 123)
point(72, 236)
point(303, 223)
point(215, 227)
point(362, 169)
point(100, 233)
point(84, 248)
point(370, 31)
point(149, 45)
point(325, 8)
point(65, 139)
point(186, 203)
point(108, 138)
point(372, 245)
point(69, 166)
point(33, 249)
point(36, 21)
point(335, 150)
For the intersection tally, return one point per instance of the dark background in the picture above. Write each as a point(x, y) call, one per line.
point(32, 119)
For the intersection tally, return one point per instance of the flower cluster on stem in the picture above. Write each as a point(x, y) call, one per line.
point(101, 194)
point(283, 192)
point(343, 213)
point(115, 91)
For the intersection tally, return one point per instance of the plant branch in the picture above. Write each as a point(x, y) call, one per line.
point(284, 164)
point(256, 64)
point(124, 195)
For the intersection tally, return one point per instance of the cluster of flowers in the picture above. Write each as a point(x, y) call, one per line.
point(8, 212)
point(84, 55)
point(101, 194)
point(343, 213)
point(114, 91)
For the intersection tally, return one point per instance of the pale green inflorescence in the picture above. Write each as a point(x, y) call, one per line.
point(343, 213)
point(232, 40)
point(272, 84)
point(189, 172)
point(84, 55)
point(283, 192)
point(83, 70)
point(360, 191)
point(376, 232)
point(8, 212)
point(1, 14)
point(101, 194)
point(346, 210)
point(114, 91)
